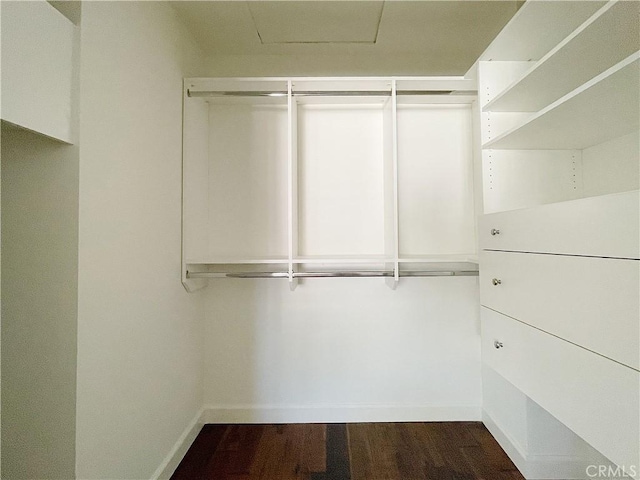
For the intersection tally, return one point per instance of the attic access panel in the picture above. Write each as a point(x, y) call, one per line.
point(297, 22)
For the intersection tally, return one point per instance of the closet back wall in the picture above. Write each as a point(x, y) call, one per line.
point(342, 350)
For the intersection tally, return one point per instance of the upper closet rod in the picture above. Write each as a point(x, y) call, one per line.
point(324, 93)
point(345, 274)
point(234, 93)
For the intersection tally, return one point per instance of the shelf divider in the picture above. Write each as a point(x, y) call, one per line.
point(292, 183)
point(390, 173)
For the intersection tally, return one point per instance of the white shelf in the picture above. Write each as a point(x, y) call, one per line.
point(408, 101)
point(203, 86)
point(339, 85)
point(538, 27)
point(604, 108)
point(343, 259)
point(236, 261)
point(429, 259)
point(334, 259)
point(248, 100)
point(609, 36)
point(454, 84)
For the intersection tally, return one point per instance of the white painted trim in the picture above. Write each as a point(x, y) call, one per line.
point(177, 453)
point(516, 452)
point(338, 413)
point(557, 467)
point(537, 467)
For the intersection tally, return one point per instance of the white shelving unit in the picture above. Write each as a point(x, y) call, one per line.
point(287, 177)
point(537, 28)
point(604, 108)
point(607, 37)
point(560, 257)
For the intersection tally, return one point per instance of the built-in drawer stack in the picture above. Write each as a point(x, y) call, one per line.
point(559, 288)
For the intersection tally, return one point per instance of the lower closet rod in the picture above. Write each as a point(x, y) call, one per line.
point(351, 274)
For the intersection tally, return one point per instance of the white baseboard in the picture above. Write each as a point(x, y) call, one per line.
point(338, 413)
point(537, 467)
point(177, 453)
point(512, 448)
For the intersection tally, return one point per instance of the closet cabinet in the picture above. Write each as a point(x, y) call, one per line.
point(592, 302)
point(598, 226)
point(298, 177)
point(589, 393)
point(560, 256)
point(39, 46)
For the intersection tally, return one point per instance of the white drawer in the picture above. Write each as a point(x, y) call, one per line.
point(593, 302)
point(596, 398)
point(604, 226)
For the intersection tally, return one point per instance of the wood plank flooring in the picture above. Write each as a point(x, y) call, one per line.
point(354, 451)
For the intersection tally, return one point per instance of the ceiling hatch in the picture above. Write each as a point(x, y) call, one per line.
point(302, 22)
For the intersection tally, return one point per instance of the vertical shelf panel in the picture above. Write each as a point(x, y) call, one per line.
point(195, 178)
point(391, 185)
point(292, 179)
point(494, 78)
point(435, 177)
point(340, 179)
point(195, 175)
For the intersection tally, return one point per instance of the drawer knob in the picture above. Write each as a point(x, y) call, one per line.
point(495, 231)
point(497, 344)
point(496, 281)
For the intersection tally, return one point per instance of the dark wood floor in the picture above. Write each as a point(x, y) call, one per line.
point(356, 451)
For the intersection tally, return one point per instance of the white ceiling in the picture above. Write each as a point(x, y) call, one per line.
point(453, 32)
point(316, 22)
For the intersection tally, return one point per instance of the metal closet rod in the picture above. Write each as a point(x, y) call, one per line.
point(323, 93)
point(336, 274)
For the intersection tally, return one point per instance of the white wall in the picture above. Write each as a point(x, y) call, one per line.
point(39, 305)
point(322, 65)
point(0, 267)
point(343, 350)
point(139, 333)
